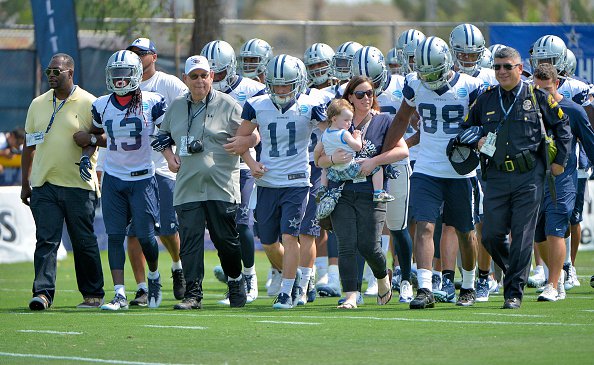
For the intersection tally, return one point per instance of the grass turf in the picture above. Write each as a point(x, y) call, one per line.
point(543, 333)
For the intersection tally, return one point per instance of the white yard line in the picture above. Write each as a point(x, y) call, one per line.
point(50, 332)
point(510, 315)
point(287, 322)
point(177, 327)
point(76, 358)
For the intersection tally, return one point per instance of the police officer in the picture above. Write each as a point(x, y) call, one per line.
point(507, 125)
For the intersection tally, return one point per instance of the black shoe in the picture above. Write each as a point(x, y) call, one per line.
point(237, 293)
point(179, 284)
point(466, 297)
point(512, 303)
point(141, 298)
point(424, 299)
point(189, 303)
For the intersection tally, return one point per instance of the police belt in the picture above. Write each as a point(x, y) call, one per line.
point(522, 162)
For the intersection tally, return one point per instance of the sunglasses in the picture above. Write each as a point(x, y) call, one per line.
point(143, 53)
point(53, 72)
point(361, 94)
point(506, 66)
point(196, 76)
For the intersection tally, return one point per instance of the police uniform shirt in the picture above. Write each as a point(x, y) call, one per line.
point(128, 138)
point(285, 137)
point(441, 113)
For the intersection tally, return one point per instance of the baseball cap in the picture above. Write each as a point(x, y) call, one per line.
point(195, 63)
point(144, 44)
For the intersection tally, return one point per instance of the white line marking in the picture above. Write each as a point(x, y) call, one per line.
point(510, 315)
point(50, 332)
point(588, 310)
point(180, 327)
point(286, 322)
point(76, 358)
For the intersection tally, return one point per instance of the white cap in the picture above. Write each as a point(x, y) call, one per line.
point(196, 62)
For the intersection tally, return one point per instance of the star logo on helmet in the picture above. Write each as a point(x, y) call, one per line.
point(573, 38)
point(444, 48)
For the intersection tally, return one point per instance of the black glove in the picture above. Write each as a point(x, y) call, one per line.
point(470, 136)
point(85, 168)
point(161, 142)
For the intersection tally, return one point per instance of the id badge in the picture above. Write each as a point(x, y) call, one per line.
point(489, 145)
point(33, 139)
point(183, 149)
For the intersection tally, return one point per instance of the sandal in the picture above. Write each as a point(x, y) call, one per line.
point(383, 299)
point(347, 305)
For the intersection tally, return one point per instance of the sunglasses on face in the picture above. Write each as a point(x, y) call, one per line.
point(506, 66)
point(361, 94)
point(196, 76)
point(143, 53)
point(53, 72)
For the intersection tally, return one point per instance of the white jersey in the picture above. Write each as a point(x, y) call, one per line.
point(336, 90)
point(128, 151)
point(441, 113)
point(322, 96)
point(170, 87)
point(285, 137)
point(241, 90)
point(487, 75)
point(576, 90)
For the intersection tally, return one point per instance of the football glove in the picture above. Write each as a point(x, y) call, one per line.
point(161, 142)
point(470, 136)
point(85, 168)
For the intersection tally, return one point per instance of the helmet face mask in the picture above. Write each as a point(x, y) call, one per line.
point(253, 57)
point(221, 58)
point(341, 62)
point(393, 63)
point(318, 59)
point(123, 72)
point(285, 79)
point(406, 45)
point(433, 62)
point(467, 44)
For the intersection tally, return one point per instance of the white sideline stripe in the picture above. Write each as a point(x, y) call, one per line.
point(286, 322)
point(588, 310)
point(510, 315)
point(50, 332)
point(179, 327)
point(87, 359)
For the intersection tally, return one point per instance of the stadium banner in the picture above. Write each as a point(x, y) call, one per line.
point(577, 37)
point(17, 228)
point(56, 31)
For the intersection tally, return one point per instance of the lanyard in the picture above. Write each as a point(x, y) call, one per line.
point(49, 126)
point(506, 112)
point(192, 116)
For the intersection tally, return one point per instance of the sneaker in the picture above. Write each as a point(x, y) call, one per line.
point(371, 287)
point(541, 288)
point(573, 276)
point(482, 290)
point(251, 287)
point(447, 294)
point(396, 279)
point(118, 302)
point(283, 301)
point(275, 283)
point(332, 289)
point(424, 299)
point(154, 292)
point(561, 287)
point(225, 301)
point(297, 290)
point(493, 285)
point(435, 282)
point(322, 280)
point(406, 292)
point(360, 300)
point(179, 284)
point(568, 282)
point(188, 303)
point(141, 298)
point(311, 290)
point(237, 293)
point(549, 294)
point(90, 302)
point(537, 280)
point(268, 278)
point(466, 297)
point(39, 303)
point(382, 197)
point(220, 274)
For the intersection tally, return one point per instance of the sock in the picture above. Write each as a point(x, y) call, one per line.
point(176, 265)
point(385, 243)
point(438, 273)
point(153, 274)
point(322, 265)
point(249, 270)
point(333, 275)
point(483, 275)
point(424, 278)
point(120, 289)
point(568, 250)
point(287, 286)
point(305, 274)
point(468, 278)
point(448, 274)
point(142, 285)
point(235, 279)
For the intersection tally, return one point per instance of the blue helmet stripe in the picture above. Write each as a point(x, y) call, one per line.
point(249, 44)
point(365, 58)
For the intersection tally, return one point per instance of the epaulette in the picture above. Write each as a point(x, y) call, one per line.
point(490, 88)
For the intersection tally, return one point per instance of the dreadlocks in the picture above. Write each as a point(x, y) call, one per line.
point(135, 105)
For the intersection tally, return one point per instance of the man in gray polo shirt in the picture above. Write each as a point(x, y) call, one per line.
point(207, 189)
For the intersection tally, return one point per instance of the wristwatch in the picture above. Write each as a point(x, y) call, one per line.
point(93, 140)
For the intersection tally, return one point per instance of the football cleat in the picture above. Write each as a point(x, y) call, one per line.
point(424, 299)
point(549, 294)
point(482, 290)
point(283, 301)
point(118, 302)
point(406, 292)
point(447, 294)
point(154, 292)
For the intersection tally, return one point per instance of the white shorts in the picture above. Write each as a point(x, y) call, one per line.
point(397, 209)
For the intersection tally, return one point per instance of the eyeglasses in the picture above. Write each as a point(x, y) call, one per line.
point(506, 66)
point(53, 72)
point(196, 76)
point(361, 94)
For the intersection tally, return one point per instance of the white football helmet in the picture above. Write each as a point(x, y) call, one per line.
point(433, 62)
point(254, 48)
point(495, 47)
point(318, 53)
point(369, 62)
point(221, 57)
point(467, 44)
point(341, 62)
point(549, 49)
point(570, 63)
point(284, 70)
point(486, 60)
point(123, 72)
point(406, 45)
point(392, 62)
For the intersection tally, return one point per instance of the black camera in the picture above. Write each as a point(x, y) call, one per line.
point(195, 146)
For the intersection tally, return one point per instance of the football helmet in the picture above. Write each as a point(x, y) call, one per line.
point(318, 53)
point(254, 48)
point(221, 57)
point(284, 70)
point(486, 60)
point(494, 48)
point(406, 45)
point(433, 62)
point(341, 62)
point(467, 44)
point(123, 72)
point(369, 62)
point(549, 49)
point(570, 63)
point(392, 62)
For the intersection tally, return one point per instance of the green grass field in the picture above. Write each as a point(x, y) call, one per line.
point(539, 333)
